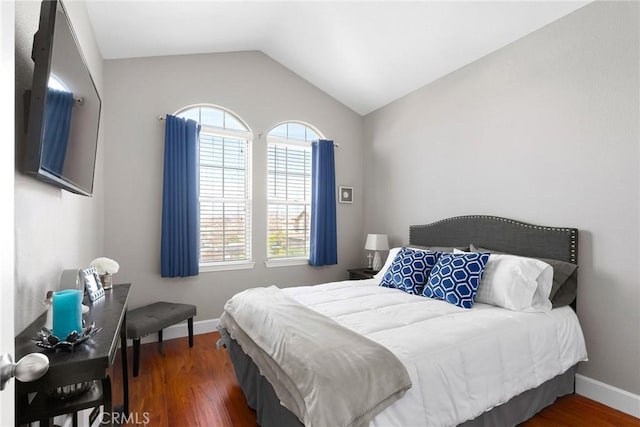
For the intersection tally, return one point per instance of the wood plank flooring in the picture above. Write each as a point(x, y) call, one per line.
point(197, 387)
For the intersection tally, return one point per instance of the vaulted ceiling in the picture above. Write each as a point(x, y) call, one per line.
point(363, 53)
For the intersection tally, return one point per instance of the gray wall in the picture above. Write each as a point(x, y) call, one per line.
point(54, 229)
point(263, 93)
point(544, 130)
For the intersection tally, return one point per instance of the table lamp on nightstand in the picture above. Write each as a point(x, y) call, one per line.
point(377, 243)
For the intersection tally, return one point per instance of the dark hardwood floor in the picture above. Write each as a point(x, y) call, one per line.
point(197, 387)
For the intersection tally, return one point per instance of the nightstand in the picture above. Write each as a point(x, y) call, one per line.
point(361, 273)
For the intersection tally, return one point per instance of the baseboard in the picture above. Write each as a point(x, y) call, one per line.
point(606, 394)
point(180, 330)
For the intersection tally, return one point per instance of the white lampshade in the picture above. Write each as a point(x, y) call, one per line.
point(377, 242)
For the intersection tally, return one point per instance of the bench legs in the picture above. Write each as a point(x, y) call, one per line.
point(136, 356)
point(136, 346)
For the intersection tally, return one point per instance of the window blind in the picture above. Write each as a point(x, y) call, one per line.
point(289, 200)
point(224, 199)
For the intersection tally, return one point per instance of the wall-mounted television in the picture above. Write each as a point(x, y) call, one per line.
point(63, 106)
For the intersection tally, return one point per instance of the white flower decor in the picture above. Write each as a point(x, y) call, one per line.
point(105, 265)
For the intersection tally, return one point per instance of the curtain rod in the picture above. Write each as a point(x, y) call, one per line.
point(335, 144)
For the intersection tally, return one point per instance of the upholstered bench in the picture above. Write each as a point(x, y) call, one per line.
point(155, 317)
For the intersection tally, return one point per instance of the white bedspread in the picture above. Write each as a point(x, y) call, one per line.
point(461, 362)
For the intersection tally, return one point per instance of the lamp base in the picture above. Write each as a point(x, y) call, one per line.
point(377, 261)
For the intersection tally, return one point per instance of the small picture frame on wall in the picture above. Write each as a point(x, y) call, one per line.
point(345, 194)
point(92, 283)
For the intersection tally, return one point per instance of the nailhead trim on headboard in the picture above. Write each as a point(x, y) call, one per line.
point(572, 232)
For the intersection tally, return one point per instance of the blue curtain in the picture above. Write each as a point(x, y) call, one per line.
point(324, 245)
point(57, 124)
point(180, 246)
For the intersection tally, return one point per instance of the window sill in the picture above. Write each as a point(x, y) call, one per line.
point(238, 265)
point(286, 262)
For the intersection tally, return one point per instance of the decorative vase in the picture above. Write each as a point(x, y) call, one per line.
point(106, 281)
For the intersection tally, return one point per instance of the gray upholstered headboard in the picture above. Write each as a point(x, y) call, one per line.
point(500, 234)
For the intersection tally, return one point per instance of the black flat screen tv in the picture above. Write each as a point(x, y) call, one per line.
point(63, 107)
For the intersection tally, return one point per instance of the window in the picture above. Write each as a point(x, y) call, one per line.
point(289, 192)
point(55, 83)
point(225, 190)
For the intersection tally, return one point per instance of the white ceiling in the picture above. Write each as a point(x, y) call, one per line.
point(363, 53)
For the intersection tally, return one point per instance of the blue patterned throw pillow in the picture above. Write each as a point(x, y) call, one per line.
point(455, 278)
point(409, 270)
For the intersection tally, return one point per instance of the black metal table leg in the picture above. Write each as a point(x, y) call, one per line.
point(107, 402)
point(125, 370)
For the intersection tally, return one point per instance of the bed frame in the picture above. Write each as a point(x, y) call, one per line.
point(500, 234)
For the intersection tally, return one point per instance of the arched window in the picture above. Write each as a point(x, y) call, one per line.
point(55, 83)
point(225, 190)
point(289, 192)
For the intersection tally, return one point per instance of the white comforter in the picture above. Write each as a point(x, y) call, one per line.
point(461, 362)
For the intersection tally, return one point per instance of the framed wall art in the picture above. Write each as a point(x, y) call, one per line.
point(345, 194)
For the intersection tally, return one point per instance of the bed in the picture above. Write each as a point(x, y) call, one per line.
point(444, 348)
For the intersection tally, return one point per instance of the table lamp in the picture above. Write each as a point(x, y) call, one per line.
point(377, 243)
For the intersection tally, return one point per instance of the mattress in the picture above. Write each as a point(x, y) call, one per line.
point(462, 362)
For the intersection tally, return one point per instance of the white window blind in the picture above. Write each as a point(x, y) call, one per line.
point(289, 190)
point(224, 205)
point(225, 197)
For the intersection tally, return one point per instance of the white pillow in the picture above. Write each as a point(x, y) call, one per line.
point(516, 283)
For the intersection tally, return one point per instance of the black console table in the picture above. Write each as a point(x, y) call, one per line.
point(91, 360)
